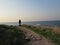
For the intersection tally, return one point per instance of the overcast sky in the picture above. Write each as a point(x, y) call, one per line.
point(29, 10)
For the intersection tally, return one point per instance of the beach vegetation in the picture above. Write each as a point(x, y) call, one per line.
point(52, 36)
point(10, 35)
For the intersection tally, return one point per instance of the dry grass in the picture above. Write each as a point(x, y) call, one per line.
point(55, 29)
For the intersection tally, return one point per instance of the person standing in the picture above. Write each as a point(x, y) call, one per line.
point(19, 22)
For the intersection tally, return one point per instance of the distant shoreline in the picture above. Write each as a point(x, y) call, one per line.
point(34, 23)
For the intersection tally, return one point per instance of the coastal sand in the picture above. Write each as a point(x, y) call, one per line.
point(35, 38)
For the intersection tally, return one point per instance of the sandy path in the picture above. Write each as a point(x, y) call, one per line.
point(35, 38)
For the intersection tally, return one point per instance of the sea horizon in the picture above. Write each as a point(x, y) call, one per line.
point(49, 23)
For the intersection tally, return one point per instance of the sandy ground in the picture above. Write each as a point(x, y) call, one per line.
point(35, 38)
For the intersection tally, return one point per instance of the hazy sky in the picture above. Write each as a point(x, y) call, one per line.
point(29, 10)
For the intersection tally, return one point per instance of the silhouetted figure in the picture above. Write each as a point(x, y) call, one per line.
point(19, 22)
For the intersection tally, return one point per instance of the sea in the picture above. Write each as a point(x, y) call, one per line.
point(45, 23)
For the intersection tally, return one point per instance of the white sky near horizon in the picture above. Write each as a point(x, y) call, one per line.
point(29, 10)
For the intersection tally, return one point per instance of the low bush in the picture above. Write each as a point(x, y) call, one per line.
point(10, 35)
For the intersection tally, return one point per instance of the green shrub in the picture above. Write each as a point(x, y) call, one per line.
point(10, 35)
